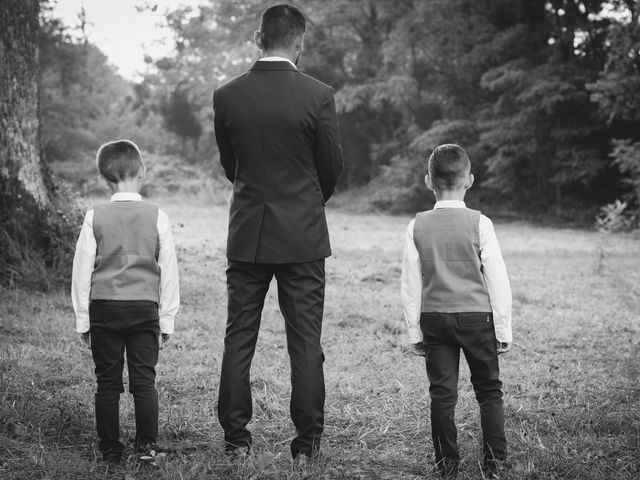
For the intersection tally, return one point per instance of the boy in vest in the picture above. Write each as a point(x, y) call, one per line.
point(456, 296)
point(125, 295)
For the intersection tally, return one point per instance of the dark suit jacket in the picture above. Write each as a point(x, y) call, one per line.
point(277, 132)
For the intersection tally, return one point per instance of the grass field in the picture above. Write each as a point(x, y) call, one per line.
point(572, 381)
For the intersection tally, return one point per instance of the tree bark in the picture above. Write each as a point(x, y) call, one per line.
point(38, 221)
point(22, 170)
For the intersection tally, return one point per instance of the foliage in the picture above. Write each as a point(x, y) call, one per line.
point(615, 91)
point(611, 219)
point(38, 254)
point(84, 102)
point(626, 156)
point(401, 184)
point(211, 45)
point(545, 85)
point(179, 116)
point(618, 83)
point(531, 76)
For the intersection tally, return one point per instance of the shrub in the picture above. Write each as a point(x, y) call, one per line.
point(626, 156)
point(401, 184)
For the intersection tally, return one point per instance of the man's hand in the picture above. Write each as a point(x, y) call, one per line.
point(419, 349)
point(85, 339)
point(503, 347)
point(165, 339)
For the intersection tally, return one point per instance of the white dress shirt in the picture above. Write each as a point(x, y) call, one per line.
point(493, 269)
point(277, 59)
point(84, 260)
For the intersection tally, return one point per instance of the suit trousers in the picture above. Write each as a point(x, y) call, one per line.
point(118, 327)
point(301, 299)
point(445, 334)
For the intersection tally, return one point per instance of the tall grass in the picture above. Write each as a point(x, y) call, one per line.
point(572, 382)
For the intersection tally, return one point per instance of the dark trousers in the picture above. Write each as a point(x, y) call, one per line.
point(116, 327)
point(445, 334)
point(301, 299)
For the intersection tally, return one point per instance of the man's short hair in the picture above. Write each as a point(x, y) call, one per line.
point(448, 166)
point(280, 25)
point(119, 160)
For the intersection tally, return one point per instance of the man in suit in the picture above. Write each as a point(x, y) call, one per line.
point(277, 132)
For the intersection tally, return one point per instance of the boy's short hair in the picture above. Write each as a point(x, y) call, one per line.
point(119, 160)
point(280, 25)
point(448, 166)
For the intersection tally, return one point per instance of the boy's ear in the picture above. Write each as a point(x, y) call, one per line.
point(142, 172)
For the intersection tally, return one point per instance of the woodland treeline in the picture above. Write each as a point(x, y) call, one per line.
point(542, 94)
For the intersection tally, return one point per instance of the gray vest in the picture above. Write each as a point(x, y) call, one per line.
point(126, 265)
point(448, 241)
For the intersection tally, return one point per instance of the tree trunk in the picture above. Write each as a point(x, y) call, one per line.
point(35, 222)
point(21, 165)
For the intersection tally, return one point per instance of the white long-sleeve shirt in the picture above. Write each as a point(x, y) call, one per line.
point(493, 269)
point(277, 59)
point(84, 260)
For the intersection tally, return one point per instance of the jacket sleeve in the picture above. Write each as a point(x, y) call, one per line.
point(227, 159)
point(328, 152)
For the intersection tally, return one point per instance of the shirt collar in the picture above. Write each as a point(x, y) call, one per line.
point(449, 204)
point(126, 197)
point(277, 59)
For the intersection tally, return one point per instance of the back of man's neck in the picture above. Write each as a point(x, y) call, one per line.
point(277, 53)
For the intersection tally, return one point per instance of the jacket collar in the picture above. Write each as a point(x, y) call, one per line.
point(273, 65)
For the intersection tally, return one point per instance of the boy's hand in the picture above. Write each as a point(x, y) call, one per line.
point(503, 347)
point(419, 349)
point(85, 339)
point(165, 339)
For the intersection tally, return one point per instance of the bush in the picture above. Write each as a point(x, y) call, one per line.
point(401, 185)
point(38, 242)
point(626, 156)
point(166, 174)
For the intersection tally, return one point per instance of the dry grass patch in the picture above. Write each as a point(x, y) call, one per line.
point(572, 382)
